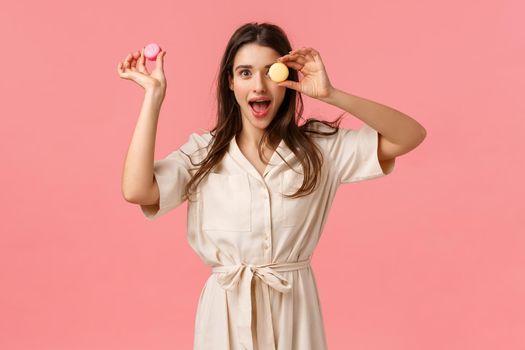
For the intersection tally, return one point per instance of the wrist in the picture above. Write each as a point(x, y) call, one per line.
point(155, 93)
point(330, 96)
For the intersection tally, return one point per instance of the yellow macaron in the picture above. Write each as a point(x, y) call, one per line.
point(278, 72)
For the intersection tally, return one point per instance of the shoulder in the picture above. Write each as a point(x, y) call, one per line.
point(197, 145)
point(325, 135)
point(197, 141)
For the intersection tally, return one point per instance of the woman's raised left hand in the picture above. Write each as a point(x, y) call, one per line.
point(315, 82)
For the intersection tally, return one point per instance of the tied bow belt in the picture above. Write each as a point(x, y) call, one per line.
point(231, 276)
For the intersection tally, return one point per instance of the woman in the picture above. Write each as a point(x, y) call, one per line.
point(263, 184)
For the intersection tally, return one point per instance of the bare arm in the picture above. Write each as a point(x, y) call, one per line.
point(398, 133)
point(138, 183)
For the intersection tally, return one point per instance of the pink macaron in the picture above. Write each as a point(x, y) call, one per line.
point(151, 51)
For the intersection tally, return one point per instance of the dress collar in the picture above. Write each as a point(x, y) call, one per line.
point(275, 161)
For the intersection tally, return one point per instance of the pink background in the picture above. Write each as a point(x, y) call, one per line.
point(433, 254)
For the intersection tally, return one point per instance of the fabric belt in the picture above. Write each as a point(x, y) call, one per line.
point(230, 276)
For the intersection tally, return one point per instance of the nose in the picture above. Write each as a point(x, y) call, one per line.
point(259, 83)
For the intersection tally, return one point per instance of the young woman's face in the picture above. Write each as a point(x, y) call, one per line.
point(254, 81)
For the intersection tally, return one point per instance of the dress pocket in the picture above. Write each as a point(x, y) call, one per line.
point(294, 209)
point(226, 202)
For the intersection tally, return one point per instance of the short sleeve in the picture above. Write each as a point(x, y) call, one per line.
point(354, 155)
point(173, 174)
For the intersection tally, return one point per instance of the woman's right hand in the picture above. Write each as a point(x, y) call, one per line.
point(134, 68)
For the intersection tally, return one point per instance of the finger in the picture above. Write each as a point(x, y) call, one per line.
point(160, 60)
point(305, 51)
point(284, 57)
point(294, 65)
point(314, 52)
point(290, 84)
point(294, 58)
point(316, 56)
point(140, 64)
point(126, 61)
point(288, 57)
point(309, 57)
point(122, 71)
point(301, 50)
point(136, 56)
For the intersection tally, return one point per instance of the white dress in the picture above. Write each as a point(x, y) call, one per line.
point(261, 293)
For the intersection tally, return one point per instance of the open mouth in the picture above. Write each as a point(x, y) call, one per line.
point(260, 108)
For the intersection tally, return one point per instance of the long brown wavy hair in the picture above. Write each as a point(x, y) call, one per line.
point(283, 126)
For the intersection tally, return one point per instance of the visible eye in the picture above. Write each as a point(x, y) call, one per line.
point(246, 70)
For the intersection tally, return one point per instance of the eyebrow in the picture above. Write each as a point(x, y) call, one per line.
point(250, 66)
